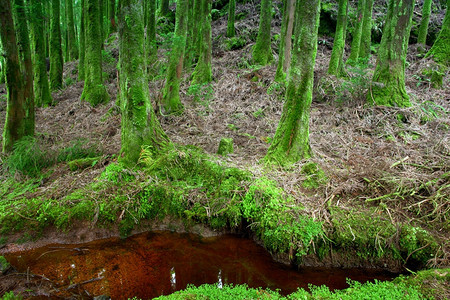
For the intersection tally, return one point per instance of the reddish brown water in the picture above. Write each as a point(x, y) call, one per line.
point(152, 264)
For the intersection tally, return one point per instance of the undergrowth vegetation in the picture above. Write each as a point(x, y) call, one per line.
point(423, 285)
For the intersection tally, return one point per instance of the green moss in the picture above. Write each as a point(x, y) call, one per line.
point(4, 265)
point(380, 237)
point(423, 29)
point(357, 32)
point(82, 163)
point(315, 176)
point(225, 146)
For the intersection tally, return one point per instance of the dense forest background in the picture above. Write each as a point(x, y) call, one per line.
point(294, 122)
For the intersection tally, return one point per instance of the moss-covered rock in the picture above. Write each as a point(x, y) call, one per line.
point(225, 146)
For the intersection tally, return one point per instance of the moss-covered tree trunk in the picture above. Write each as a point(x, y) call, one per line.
point(440, 51)
point(101, 11)
point(140, 127)
point(15, 110)
point(336, 64)
point(366, 33)
point(56, 55)
point(170, 102)
point(423, 28)
point(151, 48)
point(41, 85)
point(231, 16)
point(203, 73)
point(82, 35)
point(291, 140)
point(112, 15)
point(27, 64)
point(191, 33)
point(262, 51)
point(94, 91)
point(388, 83)
point(286, 40)
point(72, 41)
point(164, 7)
point(357, 33)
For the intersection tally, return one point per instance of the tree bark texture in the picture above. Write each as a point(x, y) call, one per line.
point(231, 32)
point(440, 51)
point(202, 72)
point(56, 55)
point(336, 64)
point(357, 33)
point(291, 140)
point(262, 52)
point(140, 127)
point(284, 57)
point(388, 83)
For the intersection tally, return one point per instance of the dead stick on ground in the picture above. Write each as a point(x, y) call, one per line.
point(84, 282)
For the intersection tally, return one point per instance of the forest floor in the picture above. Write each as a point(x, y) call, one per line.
point(381, 161)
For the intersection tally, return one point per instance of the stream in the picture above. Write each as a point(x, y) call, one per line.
point(158, 263)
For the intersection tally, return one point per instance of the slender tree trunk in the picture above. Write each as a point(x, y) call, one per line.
point(366, 33)
point(357, 33)
point(388, 87)
point(15, 113)
point(191, 33)
point(440, 51)
point(56, 56)
point(73, 48)
point(231, 16)
point(112, 15)
point(41, 86)
point(203, 73)
point(336, 61)
point(47, 16)
point(262, 52)
point(196, 37)
point(286, 40)
point(291, 140)
point(81, 66)
point(171, 103)
point(423, 29)
point(94, 91)
point(101, 10)
point(27, 65)
point(164, 7)
point(140, 127)
point(152, 49)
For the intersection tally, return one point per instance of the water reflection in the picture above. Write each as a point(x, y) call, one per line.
point(151, 264)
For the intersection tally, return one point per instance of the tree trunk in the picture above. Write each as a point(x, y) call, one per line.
point(423, 29)
point(366, 33)
point(152, 48)
point(336, 61)
point(56, 55)
point(357, 33)
point(112, 15)
point(164, 7)
point(291, 140)
point(73, 48)
point(81, 66)
point(41, 86)
point(140, 127)
point(286, 40)
point(262, 51)
point(27, 69)
point(15, 113)
point(203, 73)
point(94, 91)
point(171, 103)
point(231, 15)
point(440, 51)
point(389, 76)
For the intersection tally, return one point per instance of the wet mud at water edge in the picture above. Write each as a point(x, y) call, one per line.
point(152, 264)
